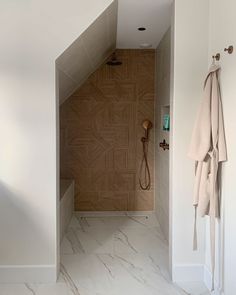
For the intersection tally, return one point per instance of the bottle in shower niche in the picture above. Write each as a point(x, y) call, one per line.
point(166, 122)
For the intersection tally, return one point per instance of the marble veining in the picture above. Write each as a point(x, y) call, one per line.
point(111, 256)
point(30, 289)
point(124, 239)
point(75, 243)
point(69, 282)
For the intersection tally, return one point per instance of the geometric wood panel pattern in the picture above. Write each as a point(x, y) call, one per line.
point(100, 135)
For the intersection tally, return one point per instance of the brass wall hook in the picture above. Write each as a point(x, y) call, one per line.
point(230, 49)
point(216, 57)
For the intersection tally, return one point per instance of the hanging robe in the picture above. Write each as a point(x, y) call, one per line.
point(208, 148)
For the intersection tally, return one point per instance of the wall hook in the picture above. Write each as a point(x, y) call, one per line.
point(216, 57)
point(230, 49)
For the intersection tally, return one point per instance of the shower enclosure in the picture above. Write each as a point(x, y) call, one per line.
point(103, 145)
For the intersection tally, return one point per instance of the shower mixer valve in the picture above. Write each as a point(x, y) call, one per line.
point(164, 145)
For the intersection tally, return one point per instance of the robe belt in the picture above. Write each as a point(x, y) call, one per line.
point(212, 211)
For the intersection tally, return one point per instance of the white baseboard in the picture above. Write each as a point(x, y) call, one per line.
point(28, 274)
point(188, 273)
point(113, 213)
point(208, 282)
point(195, 273)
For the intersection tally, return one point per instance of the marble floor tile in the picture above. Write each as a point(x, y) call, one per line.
point(111, 256)
point(194, 288)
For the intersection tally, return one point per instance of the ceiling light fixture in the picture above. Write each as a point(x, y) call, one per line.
point(145, 45)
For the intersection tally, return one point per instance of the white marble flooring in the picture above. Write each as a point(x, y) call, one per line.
point(111, 256)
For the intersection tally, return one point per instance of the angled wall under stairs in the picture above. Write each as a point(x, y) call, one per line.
point(88, 52)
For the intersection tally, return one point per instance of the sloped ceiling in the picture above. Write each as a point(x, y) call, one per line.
point(154, 15)
point(87, 53)
point(116, 27)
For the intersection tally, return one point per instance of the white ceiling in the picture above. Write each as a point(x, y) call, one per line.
point(153, 14)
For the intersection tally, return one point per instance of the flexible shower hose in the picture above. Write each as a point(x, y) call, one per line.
point(144, 167)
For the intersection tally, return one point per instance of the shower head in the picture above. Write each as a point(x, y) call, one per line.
point(113, 61)
point(147, 124)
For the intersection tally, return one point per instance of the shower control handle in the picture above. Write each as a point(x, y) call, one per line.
point(164, 145)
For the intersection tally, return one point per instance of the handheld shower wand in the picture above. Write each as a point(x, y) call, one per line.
point(145, 184)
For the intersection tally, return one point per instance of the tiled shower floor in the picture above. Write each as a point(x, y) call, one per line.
point(111, 256)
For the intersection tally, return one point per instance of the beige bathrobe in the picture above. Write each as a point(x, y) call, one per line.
point(208, 148)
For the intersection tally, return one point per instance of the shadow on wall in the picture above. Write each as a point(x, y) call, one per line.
point(19, 230)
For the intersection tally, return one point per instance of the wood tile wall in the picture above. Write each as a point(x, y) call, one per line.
point(101, 132)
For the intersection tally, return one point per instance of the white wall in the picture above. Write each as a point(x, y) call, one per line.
point(202, 28)
point(33, 34)
point(222, 34)
point(87, 53)
point(162, 106)
point(190, 66)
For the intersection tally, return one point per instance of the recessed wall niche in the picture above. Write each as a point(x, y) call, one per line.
point(165, 118)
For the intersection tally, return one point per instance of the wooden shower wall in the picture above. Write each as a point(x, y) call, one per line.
point(101, 131)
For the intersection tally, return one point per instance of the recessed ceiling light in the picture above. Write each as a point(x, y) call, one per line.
point(142, 29)
point(145, 45)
